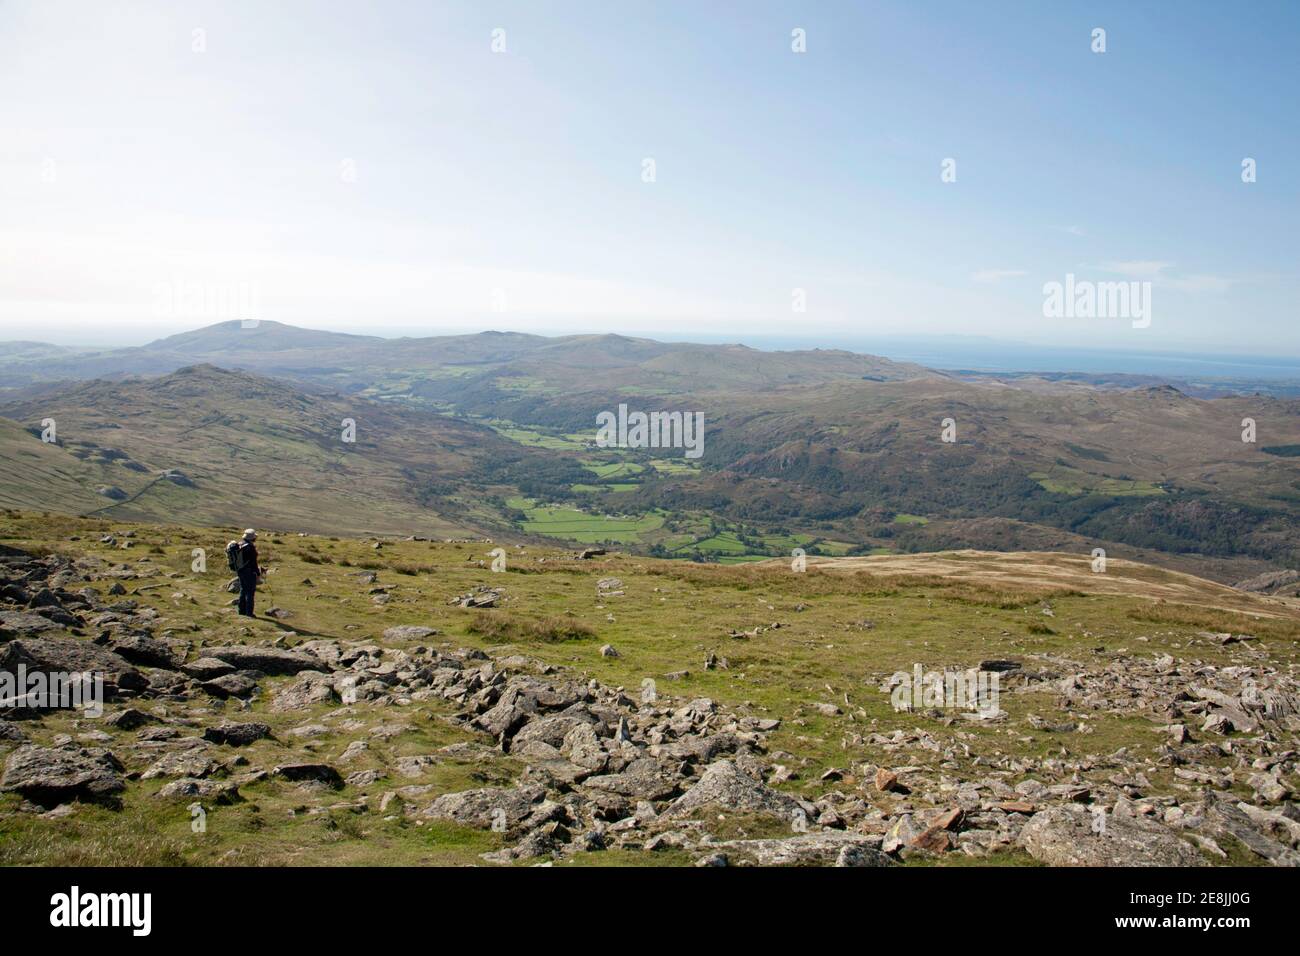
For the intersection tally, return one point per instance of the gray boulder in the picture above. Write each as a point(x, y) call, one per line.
point(145, 651)
point(208, 668)
point(310, 773)
point(214, 791)
point(307, 689)
point(50, 776)
point(48, 654)
point(192, 761)
point(409, 632)
point(490, 807)
point(240, 684)
point(726, 786)
point(12, 733)
point(268, 660)
point(23, 624)
point(236, 734)
point(830, 848)
point(1074, 835)
point(636, 784)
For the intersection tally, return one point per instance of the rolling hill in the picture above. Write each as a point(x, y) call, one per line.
point(359, 361)
point(824, 449)
point(222, 446)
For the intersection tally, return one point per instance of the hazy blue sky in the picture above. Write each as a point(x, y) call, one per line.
point(377, 167)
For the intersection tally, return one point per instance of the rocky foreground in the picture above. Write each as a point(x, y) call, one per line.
point(582, 767)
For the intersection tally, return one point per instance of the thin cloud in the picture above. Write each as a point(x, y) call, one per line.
point(996, 275)
point(1156, 271)
point(1200, 283)
point(1149, 269)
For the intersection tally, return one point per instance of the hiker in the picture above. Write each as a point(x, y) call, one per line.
point(241, 555)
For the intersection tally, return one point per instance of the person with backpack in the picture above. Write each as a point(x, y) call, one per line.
point(241, 555)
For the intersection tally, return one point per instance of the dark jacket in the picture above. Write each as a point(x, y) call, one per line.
point(248, 551)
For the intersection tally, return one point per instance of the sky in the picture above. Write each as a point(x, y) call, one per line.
point(668, 169)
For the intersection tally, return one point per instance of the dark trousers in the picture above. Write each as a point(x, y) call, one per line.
point(247, 588)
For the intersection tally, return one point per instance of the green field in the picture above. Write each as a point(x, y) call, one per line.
point(612, 469)
point(725, 543)
point(1064, 481)
point(574, 525)
point(537, 439)
point(675, 466)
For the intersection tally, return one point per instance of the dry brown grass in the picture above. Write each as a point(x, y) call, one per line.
point(504, 627)
point(1217, 620)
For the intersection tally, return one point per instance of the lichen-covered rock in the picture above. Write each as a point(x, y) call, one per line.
point(831, 848)
point(236, 734)
point(1074, 835)
point(268, 660)
point(51, 775)
point(307, 689)
point(70, 656)
point(726, 786)
point(504, 810)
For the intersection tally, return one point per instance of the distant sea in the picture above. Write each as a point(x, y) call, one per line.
point(991, 355)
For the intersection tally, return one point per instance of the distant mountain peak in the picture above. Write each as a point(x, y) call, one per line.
point(1163, 391)
point(238, 335)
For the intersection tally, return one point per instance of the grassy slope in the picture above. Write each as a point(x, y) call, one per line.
point(258, 451)
point(669, 618)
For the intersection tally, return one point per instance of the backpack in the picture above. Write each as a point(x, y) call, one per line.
point(235, 556)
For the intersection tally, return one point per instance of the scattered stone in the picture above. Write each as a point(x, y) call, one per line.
point(506, 809)
point(307, 689)
point(216, 791)
point(481, 597)
point(268, 660)
point(1017, 806)
point(236, 734)
point(22, 624)
point(410, 632)
point(726, 786)
point(900, 834)
point(129, 719)
point(887, 781)
point(1217, 724)
point(1268, 788)
point(61, 655)
point(1231, 820)
point(145, 651)
point(808, 849)
point(310, 773)
point(12, 733)
point(930, 840)
point(241, 684)
point(190, 762)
